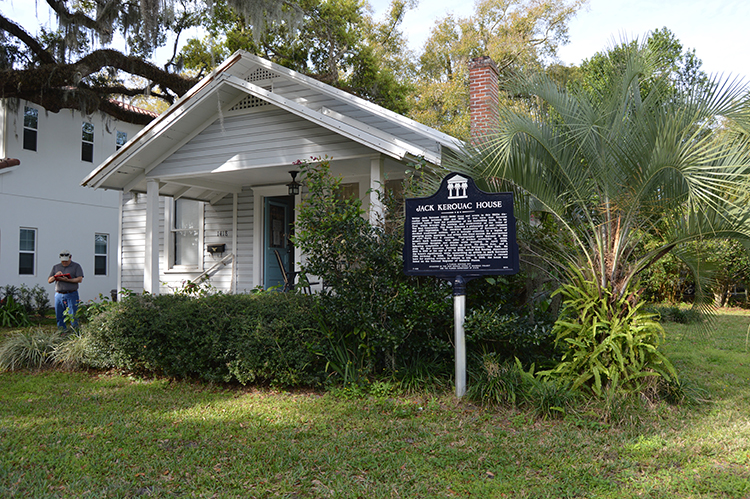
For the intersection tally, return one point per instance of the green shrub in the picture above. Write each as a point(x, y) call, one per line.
point(92, 308)
point(606, 342)
point(381, 321)
point(34, 301)
point(398, 320)
point(673, 313)
point(13, 314)
point(492, 329)
point(262, 337)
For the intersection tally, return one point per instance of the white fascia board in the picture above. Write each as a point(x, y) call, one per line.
point(410, 148)
point(338, 94)
point(349, 131)
point(209, 185)
point(157, 126)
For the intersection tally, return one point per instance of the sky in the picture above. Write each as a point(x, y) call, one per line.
point(716, 29)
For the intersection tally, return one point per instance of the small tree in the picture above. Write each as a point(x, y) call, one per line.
point(376, 317)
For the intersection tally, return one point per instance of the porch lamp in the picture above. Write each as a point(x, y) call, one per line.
point(293, 185)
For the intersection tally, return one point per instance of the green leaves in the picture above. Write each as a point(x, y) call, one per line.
point(13, 314)
point(633, 159)
point(606, 343)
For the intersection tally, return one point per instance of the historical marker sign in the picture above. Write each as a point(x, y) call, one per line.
point(460, 233)
point(460, 230)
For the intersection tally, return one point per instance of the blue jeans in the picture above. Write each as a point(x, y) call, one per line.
point(63, 301)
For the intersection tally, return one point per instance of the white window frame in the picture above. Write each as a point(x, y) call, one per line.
point(85, 142)
point(31, 111)
point(170, 218)
point(120, 136)
point(27, 252)
point(105, 254)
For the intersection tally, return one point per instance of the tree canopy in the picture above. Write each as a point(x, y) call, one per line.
point(336, 41)
point(75, 65)
point(519, 35)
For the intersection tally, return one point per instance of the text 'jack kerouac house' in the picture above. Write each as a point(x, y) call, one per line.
point(206, 184)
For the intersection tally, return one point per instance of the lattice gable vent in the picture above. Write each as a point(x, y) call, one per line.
point(251, 101)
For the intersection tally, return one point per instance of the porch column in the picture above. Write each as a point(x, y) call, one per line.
point(377, 188)
point(151, 260)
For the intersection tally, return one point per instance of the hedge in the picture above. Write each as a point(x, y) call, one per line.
point(250, 338)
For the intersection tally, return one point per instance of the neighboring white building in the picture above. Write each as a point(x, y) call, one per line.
point(205, 185)
point(44, 209)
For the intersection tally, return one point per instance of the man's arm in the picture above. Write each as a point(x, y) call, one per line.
point(69, 279)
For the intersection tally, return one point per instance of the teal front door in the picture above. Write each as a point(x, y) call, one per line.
point(278, 225)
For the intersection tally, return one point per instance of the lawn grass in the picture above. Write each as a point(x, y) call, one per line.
point(105, 435)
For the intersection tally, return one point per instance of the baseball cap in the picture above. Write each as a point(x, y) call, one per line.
point(65, 256)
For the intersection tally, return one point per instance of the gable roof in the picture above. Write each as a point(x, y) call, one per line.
point(208, 141)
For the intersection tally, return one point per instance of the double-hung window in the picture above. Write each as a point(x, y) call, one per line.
point(87, 142)
point(187, 220)
point(101, 246)
point(27, 252)
point(30, 127)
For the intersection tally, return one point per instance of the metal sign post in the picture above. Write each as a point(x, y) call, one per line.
point(458, 234)
point(459, 314)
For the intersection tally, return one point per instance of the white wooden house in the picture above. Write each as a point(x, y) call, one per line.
point(205, 185)
point(43, 208)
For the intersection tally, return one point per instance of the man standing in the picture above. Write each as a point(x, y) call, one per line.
point(66, 275)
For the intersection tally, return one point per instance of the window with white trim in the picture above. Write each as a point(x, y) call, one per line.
point(30, 127)
point(27, 251)
point(101, 250)
point(122, 137)
point(87, 142)
point(186, 232)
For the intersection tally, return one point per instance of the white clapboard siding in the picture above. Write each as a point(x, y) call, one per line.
point(217, 220)
point(217, 229)
point(133, 245)
point(244, 264)
point(256, 139)
point(132, 252)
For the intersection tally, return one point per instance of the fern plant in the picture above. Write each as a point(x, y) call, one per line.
point(605, 346)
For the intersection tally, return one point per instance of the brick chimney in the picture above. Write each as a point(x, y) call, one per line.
point(483, 96)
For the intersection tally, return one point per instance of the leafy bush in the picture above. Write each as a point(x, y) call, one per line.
point(92, 308)
point(262, 337)
point(490, 328)
point(380, 319)
point(13, 314)
point(34, 301)
point(605, 346)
